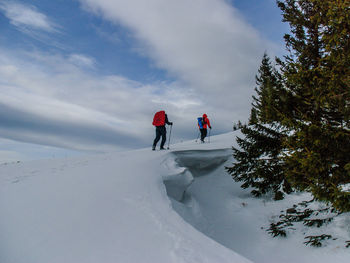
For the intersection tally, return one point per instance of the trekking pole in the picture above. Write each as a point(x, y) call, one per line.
point(171, 126)
point(198, 136)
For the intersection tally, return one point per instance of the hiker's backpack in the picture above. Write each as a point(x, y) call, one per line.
point(159, 118)
point(200, 122)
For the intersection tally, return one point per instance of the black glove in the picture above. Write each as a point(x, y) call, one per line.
point(171, 123)
point(209, 127)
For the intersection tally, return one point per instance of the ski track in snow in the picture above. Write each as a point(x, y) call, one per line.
point(143, 206)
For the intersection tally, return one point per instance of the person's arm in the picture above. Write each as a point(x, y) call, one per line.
point(167, 121)
point(208, 122)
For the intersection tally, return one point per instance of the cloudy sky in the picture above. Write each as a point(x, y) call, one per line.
point(88, 75)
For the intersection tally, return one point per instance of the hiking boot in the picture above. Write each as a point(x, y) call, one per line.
point(153, 148)
point(162, 148)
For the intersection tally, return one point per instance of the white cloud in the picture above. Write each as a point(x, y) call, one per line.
point(26, 16)
point(204, 43)
point(14, 151)
point(47, 99)
point(58, 100)
point(82, 60)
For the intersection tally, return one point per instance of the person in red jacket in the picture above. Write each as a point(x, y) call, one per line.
point(204, 126)
point(159, 121)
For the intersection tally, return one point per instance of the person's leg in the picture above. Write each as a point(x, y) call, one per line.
point(202, 134)
point(158, 134)
point(163, 133)
point(205, 132)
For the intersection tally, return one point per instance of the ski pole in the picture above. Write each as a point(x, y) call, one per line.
point(171, 126)
point(198, 136)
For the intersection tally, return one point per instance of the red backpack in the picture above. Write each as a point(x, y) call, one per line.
point(159, 118)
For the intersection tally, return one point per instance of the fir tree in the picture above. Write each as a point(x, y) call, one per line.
point(259, 164)
point(298, 135)
point(316, 83)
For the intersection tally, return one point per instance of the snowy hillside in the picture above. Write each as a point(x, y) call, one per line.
point(143, 206)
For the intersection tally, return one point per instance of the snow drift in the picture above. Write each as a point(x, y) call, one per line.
point(143, 206)
point(109, 208)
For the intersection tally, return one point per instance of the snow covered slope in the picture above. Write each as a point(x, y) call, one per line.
point(101, 209)
point(144, 206)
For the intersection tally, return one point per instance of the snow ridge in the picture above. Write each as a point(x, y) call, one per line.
point(107, 208)
point(143, 206)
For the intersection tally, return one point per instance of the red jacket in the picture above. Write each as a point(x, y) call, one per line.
point(206, 122)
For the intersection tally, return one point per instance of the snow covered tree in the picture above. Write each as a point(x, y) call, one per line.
point(259, 164)
point(317, 83)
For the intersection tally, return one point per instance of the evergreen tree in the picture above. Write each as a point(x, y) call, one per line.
point(317, 88)
point(299, 126)
point(298, 135)
point(259, 164)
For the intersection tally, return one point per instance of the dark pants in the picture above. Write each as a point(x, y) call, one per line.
point(203, 134)
point(160, 132)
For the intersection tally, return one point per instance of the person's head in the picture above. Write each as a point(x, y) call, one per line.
point(204, 115)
